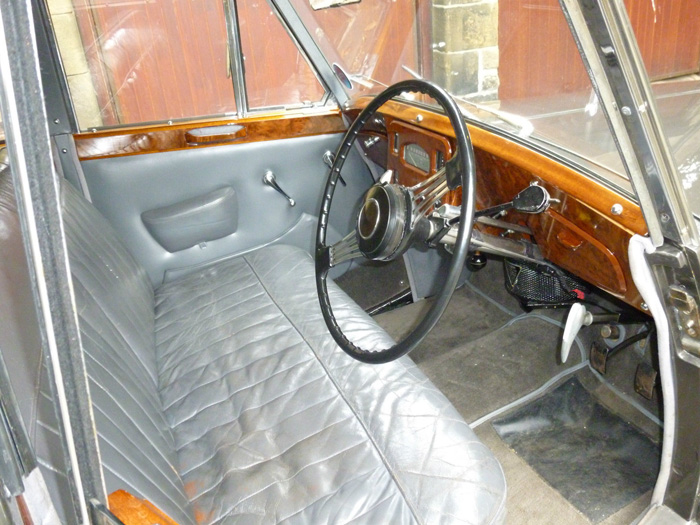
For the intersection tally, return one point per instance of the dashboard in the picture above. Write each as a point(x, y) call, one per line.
point(587, 229)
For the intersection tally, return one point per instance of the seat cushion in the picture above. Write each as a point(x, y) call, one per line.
point(245, 410)
point(273, 423)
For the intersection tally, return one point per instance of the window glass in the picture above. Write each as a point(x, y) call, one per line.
point(668, 35)
point(158, 60)
point(511, 64)
point(276, 73)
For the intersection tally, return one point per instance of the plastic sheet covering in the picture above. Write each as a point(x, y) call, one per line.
point(591, 456)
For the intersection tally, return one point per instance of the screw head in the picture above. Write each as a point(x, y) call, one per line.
point(419, 118)
point(626, 111)
point(644, 306)
point(616, 209)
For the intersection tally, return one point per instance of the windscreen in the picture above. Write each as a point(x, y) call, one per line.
point(510, 64)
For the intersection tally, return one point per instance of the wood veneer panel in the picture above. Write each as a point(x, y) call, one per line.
point(432, 143)
point(159, 138)
point(134, 511)
point(583, 214)
point(602, 257)
point(579, 252)
point(598, 196)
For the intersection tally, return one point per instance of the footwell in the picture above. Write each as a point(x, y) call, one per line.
point(597, 461)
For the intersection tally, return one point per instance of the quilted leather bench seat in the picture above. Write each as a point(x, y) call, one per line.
point(221, 397)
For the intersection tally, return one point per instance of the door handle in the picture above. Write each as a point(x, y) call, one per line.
point(328, 160)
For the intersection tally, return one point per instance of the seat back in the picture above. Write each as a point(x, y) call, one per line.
point(115, 308)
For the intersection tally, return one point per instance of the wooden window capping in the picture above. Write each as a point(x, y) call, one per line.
point(159, 138)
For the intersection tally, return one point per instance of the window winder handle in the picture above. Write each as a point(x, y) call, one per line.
point(269, 179)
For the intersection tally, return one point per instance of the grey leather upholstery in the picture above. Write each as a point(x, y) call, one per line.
point(242, 409)
point(124, 187)
point(194, 220)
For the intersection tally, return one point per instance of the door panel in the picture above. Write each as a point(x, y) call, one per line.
point(123, 188)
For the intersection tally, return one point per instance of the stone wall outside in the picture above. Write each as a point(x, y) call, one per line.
point(75, 63)
point(465, 47)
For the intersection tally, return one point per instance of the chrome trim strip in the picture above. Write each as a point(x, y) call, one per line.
point(38, 200)
point(606, 42)
point(235, 53)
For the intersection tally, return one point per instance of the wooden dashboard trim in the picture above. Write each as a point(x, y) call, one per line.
point(162, 137)
point(583, 212)
point(618, 276)
point(596, 195)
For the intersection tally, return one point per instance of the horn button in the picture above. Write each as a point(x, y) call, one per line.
point(383, 222)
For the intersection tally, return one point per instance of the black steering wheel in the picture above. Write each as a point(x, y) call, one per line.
point(392, 217)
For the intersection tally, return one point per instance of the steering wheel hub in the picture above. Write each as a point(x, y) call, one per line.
point(383, 222)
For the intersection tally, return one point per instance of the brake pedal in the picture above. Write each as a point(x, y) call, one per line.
point(645, 379)
point(599, 357)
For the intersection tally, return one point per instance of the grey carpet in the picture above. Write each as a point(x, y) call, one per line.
point(611, 399)
point(532, 501)
point(500, 367)
point(620, 377)
point(468, 317)
point(596, 460)
point(485, 354)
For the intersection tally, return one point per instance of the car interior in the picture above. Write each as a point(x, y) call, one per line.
point(382, 310)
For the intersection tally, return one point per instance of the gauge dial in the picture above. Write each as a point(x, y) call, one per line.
point(416, 156)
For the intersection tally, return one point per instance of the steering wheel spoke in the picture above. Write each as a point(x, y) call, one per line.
point(344, 250)
point(427, 193)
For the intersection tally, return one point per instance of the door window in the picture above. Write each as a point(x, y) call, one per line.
point(157, 60)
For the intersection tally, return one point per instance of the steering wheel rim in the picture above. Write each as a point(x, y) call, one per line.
point(467, 178)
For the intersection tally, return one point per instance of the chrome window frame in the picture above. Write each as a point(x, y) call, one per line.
point(608, 46)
